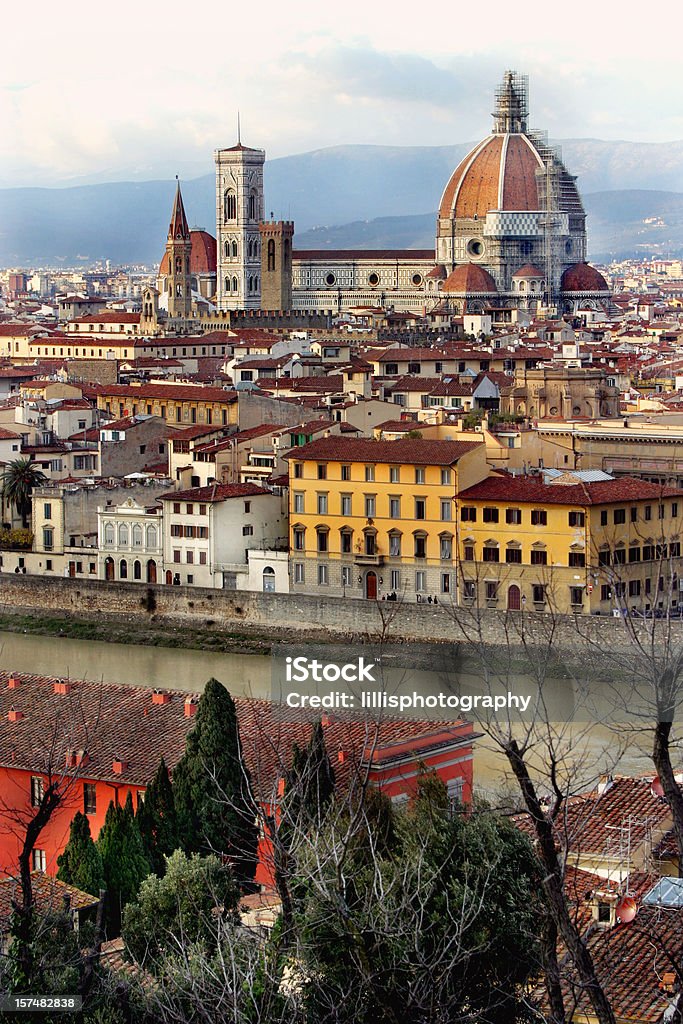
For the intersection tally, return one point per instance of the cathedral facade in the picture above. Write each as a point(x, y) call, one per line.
point(510, 234)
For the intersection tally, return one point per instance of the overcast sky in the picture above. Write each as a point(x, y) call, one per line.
point(139, 89)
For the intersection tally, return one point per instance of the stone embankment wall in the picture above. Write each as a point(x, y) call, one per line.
point(283, 615)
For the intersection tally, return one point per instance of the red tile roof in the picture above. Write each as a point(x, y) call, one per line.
point(108, 317)
point(410, 451)
point(215, 492)
point(532, 489)
point(182, 392)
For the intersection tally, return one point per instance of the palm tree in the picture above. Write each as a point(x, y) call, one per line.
point(18, 481)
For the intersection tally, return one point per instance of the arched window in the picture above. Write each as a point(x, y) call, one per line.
point(108, 533)
point(137, 570)
point(123, 534)
point(234, 284)
point(137, 536)
point(229, 205)
point(268, 580)
point(226, 249)
point(251, 212)
point(271, 254)
point(178, 265)
point(394, 544)
point(123, 569)
point(227, 284)
point(234, 250)
point(151, 536)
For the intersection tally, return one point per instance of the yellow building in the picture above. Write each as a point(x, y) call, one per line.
point(370, 519)
point(176, 403)
point(568, 544)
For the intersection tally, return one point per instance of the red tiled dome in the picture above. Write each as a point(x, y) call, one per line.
point(469, 279)
point(527, 271)
point(202, 256)
point(581, 277)
point(499, 174)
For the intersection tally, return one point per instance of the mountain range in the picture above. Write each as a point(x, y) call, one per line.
point(345, 196)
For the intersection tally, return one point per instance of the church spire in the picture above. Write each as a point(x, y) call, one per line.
point(512, 104)
point(178, 228)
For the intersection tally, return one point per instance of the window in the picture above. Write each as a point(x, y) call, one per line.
point(445, 477)
point(446, 548)
point(491, 553)
point(176, 555)
point(577, 518)
point(619, 556)
point(189, 559)
point(675, 549)
point(48, 538)
point(490, 515)
point(247, 531)
point(539, 557)
point(445, 583)
point(299, 540)
point(395, 579)
point(346, 472)
point(299, 572)
point(674, 509)
point(247, 506)
point(419, 475)
point(37, 790)
point(634, 588)
point(513, 556)
point(660, 511)
point(189, 509)
point(369, 473)
point(468, 553)
point(420, 545)
point(48, 565)
point(345, 505)
point(619, 516)
point(176, 508)
point(322, 504)
point(299, 501)
point(394, 508)
point(468, 514)
point(369, 506)
point(298, 470)
point(445, 510)
point(323, 579)
point(47, 511)
point(395, 474)
point(648, 552)
point(420, 580)
point(322, 540)
point(603, 517)
point(394, 545)
point(491, 590)
point(513, 516)
point(202, 510)
point(648, 513)
point(322, 471)
point(469, 590)
point(604, 557)
point(538, 593)
point(346, 537)
point(634, 554)
point(634, 514)
point(89, 798)
point(539, 517)
point(576, 595)
point(346, 575)
point(420, 508)
point(137, 536)
point(577, 560)
point(38, 860)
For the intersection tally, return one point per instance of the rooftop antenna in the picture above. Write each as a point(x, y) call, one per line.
point(239, 130)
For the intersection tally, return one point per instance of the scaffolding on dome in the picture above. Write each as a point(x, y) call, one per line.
point(512, 103)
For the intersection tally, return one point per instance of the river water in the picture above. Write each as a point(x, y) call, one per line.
point(249, 675)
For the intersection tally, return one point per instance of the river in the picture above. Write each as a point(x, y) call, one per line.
point(249, 675)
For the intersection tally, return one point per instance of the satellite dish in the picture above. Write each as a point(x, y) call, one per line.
point(657, 789)
point(626, 909)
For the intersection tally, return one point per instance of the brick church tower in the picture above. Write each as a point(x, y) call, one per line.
point(276, 264)
point(178, 249)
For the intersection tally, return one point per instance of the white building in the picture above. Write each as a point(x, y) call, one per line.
point(130, 542)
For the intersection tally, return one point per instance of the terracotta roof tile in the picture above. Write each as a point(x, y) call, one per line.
point(406, 451)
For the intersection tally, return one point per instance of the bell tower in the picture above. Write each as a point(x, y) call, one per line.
point(239, 208)
point(178, 250)
point(276, 264)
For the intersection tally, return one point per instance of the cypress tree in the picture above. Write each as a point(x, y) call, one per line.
point(158, 821)
point(212, 789)
point(81, 864)
point(310, 782)
point(123, 860)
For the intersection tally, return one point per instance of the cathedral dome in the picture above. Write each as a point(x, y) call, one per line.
point(499, 174)
point(469, 279)
point(202, 255)
point(528, 271)
point(581, 277)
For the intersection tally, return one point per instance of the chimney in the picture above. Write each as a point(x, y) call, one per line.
point(280, 787)
point(325, 720)
point(70, 759)
point(118, 766)
point(13, 682)
point(61, 686)
point(191, 705)
point(341, 756)
point(605, 783)
point(82, 758)
point(14, 716)
point(668, 982)
point(159, 697)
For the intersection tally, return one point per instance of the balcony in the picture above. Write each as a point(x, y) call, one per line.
point(362, 558)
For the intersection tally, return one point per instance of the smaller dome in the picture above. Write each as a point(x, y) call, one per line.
point(437, 273)
point(202, 255)
point(469, 279)
point(581, 277)
point(527, 271)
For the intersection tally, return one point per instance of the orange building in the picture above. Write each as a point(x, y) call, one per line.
point(100, 742)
